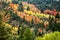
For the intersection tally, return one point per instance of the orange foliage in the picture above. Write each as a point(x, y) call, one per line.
point(45, 24)
point(4, 19)
point(46, 11)
point(14, 6)
point(37, 20)
point(29, 18)
point(59, 13)
point(39, 30)
point(54, 13)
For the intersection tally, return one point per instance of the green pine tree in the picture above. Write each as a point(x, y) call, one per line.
point(57, 15)
point(32, 23)
point(28, 8)
point(21, 33)
point(27, 34)
point(20, 6)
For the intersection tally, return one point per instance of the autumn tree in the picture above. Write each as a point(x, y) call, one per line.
point(3, 32)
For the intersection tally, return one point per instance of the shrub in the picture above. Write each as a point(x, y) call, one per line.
point(39, 38)
point(12, 37)
point(51, 36)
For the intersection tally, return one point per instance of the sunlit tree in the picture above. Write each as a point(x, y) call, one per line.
point(3, 31)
